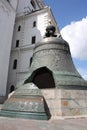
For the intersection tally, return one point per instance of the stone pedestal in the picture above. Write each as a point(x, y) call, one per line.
point(66, 103)
point(26, 102)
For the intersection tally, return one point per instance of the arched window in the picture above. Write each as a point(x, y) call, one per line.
point(12, 88)
point(30, 61)
point(17, 43)
point(19, 28)
point(33, 39)
point(15, 64)
point(8, 0)
point(34, 24)
point(33, 4)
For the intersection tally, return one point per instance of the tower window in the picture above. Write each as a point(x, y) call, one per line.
point(17, 43)
point(30, 61)
point(19, 28)
point(33, 39)
point(8, 0)
point(33, 4)
point(34, 24)
point(15, 64)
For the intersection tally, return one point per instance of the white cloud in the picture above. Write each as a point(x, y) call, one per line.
point(76, 35)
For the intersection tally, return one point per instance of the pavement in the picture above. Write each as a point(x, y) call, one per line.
point(52, 124)
point(27, 124)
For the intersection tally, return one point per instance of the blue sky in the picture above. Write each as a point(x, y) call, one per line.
point(71, 17)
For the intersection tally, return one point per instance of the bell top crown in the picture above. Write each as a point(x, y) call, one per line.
point(50, 30)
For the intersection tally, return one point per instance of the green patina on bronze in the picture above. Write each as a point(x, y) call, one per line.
point(53, 54)
point(26, 102)
point(51, 67)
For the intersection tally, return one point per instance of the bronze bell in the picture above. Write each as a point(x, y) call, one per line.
point(53, 86)
point(52, 65)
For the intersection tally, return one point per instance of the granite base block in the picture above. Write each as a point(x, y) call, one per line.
point(66, 102)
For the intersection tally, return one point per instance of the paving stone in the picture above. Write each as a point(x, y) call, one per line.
point(26, 124)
